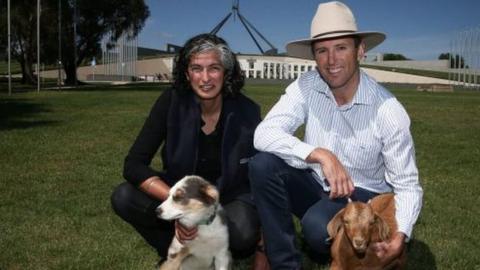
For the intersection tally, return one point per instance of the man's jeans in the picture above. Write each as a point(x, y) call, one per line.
point(280, 190)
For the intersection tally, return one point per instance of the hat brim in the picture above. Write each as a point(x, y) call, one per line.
point(303, 48)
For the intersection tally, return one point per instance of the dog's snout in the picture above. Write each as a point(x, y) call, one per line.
point(159, 211)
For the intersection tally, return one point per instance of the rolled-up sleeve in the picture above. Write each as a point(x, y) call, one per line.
point(275, 133)
point(400, 166)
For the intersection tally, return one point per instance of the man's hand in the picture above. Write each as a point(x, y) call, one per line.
point(183, 233)
point(341, 184)
point(386, 252)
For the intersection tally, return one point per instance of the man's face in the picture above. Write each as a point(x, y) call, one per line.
point(337, 61)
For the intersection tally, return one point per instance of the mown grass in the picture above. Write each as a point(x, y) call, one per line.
point(61, 154)
point(14, 67)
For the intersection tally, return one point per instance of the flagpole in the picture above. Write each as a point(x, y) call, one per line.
point(75, 39)
point(9, 52)
point(59, 44)
point(38, 45)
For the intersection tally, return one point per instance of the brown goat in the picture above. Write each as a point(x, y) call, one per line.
point(355, 227)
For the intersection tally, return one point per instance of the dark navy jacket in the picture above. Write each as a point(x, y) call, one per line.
point(174, 124)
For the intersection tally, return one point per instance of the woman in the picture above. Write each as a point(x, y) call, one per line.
point(205, 127)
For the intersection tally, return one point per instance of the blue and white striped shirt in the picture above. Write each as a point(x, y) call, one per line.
point(370, 136)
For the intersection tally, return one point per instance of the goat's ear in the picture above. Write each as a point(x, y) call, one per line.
point(335, 224)
point(382, 227)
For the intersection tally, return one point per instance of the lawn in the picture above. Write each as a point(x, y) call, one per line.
point(14, 67)
point(62, 154)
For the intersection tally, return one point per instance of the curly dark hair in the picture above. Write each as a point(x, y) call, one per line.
point(233, 80)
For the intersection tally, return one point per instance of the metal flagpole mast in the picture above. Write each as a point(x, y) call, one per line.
point(75, 39)
point(9, 51)
point(450, 62)
point(38, 45)
point(477, 57)
point(247, 25)
point(59, 44)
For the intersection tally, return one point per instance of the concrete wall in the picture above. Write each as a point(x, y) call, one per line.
point(437, 65)
point(259, 67)
point(156, 69)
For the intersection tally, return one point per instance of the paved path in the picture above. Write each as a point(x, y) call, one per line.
point(395, 77)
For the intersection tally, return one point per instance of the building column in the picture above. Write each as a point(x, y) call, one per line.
point(275, 67)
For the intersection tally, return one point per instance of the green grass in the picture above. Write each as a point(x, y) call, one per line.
point(61, 155)
point(14, 67)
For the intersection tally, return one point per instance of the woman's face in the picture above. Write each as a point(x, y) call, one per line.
point(206, 75)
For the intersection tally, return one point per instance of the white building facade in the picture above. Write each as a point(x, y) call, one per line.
point(274, 67)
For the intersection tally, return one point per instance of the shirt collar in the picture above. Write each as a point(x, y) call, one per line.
point(363, 94)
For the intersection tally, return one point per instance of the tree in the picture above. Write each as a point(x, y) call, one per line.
point(95, 19)
point(393, 56)
point(456, 61)
point(23, 36)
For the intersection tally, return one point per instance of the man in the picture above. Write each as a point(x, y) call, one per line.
point(357, 144)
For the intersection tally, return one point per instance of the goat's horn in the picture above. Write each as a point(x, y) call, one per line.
point(349, 199)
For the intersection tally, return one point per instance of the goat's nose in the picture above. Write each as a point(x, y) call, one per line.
point(358, 241)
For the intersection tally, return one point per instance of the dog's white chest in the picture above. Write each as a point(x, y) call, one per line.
point(194, 201)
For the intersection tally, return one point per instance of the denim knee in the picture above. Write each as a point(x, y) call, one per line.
point(263, 164)
point(258, 162)
point(314, 228)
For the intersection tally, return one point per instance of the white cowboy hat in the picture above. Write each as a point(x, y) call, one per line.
point(333, 19)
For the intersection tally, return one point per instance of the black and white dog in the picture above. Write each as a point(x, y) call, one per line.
point(195, 202)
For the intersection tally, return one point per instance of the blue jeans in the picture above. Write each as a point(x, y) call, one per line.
point(279, 191)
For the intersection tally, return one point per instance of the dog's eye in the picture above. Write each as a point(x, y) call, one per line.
point(178, 196)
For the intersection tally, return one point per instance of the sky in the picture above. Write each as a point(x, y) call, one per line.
point(417, 29)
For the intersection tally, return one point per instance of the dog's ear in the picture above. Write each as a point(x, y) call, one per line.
point(211, 194)
point(382, 227)
point(335, 224)
point(178, 195)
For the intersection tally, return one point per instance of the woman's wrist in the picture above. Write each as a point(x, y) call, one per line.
point(155, 187)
